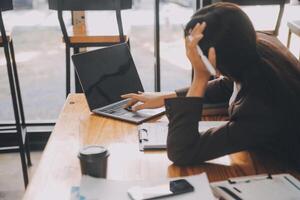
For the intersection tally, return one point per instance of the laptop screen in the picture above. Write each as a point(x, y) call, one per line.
point(107, 73)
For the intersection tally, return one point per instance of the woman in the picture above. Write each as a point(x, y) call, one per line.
point(261, 83)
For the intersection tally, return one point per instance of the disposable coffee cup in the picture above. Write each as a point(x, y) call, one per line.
point(93, 160)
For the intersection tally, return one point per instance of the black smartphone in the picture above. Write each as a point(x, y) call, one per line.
point(154, 192)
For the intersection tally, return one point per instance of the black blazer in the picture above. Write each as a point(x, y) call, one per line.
point(252, 124)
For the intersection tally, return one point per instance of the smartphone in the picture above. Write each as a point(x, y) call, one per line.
point(154, 192)
point(205, 60)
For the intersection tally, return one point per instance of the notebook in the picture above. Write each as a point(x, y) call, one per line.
point(154, 135)
point(273, 187)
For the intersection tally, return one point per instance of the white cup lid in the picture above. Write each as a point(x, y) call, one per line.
point(92, 150)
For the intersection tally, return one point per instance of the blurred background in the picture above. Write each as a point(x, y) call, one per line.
point(40, 52)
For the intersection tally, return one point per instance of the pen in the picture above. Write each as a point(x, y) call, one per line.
point(205, 60)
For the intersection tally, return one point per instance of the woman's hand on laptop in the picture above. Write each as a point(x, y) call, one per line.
point(147, 100)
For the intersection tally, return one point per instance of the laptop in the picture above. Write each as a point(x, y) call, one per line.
point(106, 74)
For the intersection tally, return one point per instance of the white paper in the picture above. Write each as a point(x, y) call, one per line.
point(280, 187)
point(157, 132)
point(97, 188)
point(205, 125)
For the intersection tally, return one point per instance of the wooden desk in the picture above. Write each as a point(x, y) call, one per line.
point(59, 166)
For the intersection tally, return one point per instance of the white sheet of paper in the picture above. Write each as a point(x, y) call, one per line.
point(205, 125)
point(280, 187)
point(158, 132)
point(97, 188)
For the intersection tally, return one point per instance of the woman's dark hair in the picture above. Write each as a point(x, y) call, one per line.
point(231, 32)
point(263, 66)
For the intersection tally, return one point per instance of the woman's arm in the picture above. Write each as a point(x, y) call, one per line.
point(148, 99)
point(246, 128)
point(218, 91)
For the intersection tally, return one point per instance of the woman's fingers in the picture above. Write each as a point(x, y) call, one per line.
point(197, 33)
point(143, 100)
point(139, 97)
point(130, 103)
point(130, 95)
point(195, 36)
point(139, 107)
point(193, 40)
point(198, 29)
point(134, 99)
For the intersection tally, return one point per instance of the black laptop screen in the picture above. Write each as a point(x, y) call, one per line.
point(107, 73)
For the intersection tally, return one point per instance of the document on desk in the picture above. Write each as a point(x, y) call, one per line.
point(275, 187)
point(97, 188)
point(154, 135)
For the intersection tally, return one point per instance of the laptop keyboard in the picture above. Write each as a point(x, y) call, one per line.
point(117, 108)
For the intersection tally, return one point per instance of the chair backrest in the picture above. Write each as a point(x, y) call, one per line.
point(89, 5)
point(6, 5)
point(256, 2)
point(280, 3)
point(78, 5)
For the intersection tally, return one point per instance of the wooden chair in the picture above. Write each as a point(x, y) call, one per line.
point(280, 3)
point(80, 37)
point(12, 135)
point(294, 27)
